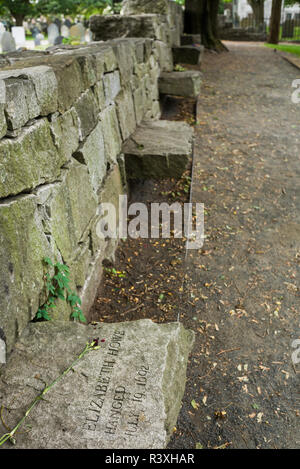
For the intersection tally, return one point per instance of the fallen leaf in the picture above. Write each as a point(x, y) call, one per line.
point(194, 404)
point(259, 417)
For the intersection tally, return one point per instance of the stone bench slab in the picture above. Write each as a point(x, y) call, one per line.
point(158, 150)
point(187, 84)
point(191, 54)
point(189, 39)
point(126, 395)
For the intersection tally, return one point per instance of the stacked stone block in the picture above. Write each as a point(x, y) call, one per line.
point(64, 115)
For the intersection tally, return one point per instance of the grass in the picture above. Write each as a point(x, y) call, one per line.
point(292, 49)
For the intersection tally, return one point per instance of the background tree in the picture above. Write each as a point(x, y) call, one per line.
point(18, 9)
point(201, 16)
point(258, 8)
point(275, 22)
point(72, 7)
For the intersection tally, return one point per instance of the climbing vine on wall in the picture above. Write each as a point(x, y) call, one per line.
point(57, 287)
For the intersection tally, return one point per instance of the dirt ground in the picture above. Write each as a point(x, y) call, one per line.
point(240, 292)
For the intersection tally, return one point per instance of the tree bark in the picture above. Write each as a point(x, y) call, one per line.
point(201, 17)
point(19, 19)
point(258, 11)
point(275, 22)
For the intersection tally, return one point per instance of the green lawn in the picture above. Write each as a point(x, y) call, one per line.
point(286, 48)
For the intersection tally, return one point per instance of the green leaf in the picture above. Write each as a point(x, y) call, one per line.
point(62, 268)
point(199, 446)
point(194, 404)
point(48, 261)
point(82, 317)
point(60, 293)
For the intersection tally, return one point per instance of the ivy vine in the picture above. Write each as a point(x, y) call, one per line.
point(57, 287)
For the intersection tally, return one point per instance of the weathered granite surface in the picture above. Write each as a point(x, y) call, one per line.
point(160, 19)
point(186, 83)
point(63, 116)
point(132, 7)
point(127, 394)
point(191, 54)
point(190, 39)
point(158, 150)
point(106, 27)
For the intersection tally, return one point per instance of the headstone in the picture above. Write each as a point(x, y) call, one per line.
point(88, 35)
point(38, 39)
point(18, 33)
point(68, 23)
point(44, 27)
point(35, 31)
point(58, 40)
point(8, 43)
point(288, 29)
point(78, 32)
point(58, 23)
point(2, 345)
point(65, 31)
point(125, 395)
point(2, 30)
point(53, 33)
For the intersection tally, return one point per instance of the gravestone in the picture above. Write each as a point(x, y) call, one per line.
point(78, 32)
point(8, 43)
point(2, 30)
point(57, 21)
point(18, 33)
point(53, 33)
point(58, 40)
point(65, 31)
point(127, 394)
point(43, 27)
point(2, 344)
point(68, 23)
point(288, 28)
point(35, 31)
point(38, 39)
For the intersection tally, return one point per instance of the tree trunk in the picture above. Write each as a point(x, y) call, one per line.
point(201, 17)
point(275, 22)
point(258, 11)
point(19, 19)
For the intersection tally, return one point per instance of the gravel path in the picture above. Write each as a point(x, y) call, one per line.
point(243, 387)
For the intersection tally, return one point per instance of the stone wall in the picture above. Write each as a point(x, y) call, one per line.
point(157, 19)
point(240, 34)
point(64, 114)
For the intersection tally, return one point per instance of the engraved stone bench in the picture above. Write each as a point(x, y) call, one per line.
point(126, 395)
point(186, 84)
point(158, 150)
